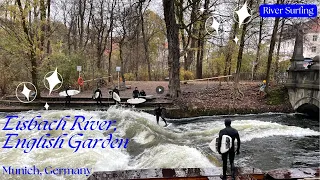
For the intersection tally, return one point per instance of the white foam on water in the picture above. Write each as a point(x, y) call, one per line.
point(250, 129)
point(172, 156)
point(144, 137)
point(142, 128)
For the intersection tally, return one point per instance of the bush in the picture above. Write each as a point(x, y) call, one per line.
point(129, 76)
point(186, 75)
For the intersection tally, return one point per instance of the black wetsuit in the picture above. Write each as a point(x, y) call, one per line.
point(98, 99)
point(115, 90)
point(158, 113)
point(68, 98)
point(142, 93)
point(135, 93)
point(233, 133)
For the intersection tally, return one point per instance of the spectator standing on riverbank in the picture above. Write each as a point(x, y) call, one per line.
point(233, 133)
point(262, 89)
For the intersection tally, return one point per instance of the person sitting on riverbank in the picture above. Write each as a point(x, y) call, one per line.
point(135, 93)
point(160, 112)
point(98, 99)
point(233, 133)
point(142, 93)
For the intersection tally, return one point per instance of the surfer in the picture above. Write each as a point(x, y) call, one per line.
point(233, 133)
point(98, 99)
point(115, 90)
point(135, 93)
point(68, 97)
point(159, 112)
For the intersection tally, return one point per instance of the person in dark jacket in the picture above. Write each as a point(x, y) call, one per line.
point(233, 133)
point(135, 93)
point(68, 97)
point(159, 112)
point(98, 99)
point(142, 93)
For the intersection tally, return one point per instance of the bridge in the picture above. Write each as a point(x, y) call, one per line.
point(303, 81)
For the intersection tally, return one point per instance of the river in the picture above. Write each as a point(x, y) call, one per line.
point(269, 141)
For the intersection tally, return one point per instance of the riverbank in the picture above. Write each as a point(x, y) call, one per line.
point(197, 99)
point(219, 100)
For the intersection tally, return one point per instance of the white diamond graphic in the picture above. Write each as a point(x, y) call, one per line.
point(236, 40)
point(26, 91)
point(243, 13)
point(215, 25)
point(46, 106)
point(53, 80)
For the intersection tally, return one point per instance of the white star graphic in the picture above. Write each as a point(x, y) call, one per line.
point(26, 91)
point(46, 106)
point(202, 10)
point(243, 13)
point(53, 80)
point(236, 40)
point(215, 25)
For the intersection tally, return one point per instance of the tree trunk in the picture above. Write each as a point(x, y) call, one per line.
point(271, 49)
point(240, 53)
point(32, 51)
point(43, 24)
point(230, 48)
point(278, 51)
point(145, 44)
point(82, 9)
point(194, 32)
point(110, 54)
point(173, 47)
point(201, 41)
point(121, 43)
point(256, 62)
point(199, 56)
point(48, 25)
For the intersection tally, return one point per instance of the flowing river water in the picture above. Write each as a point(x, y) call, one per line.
point(269, 141)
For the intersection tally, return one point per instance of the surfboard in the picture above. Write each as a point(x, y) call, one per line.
point(96, 95)
point(226, 143)
point(136, 101)
point(116, 97)
point(70, 93)
point(169, 124)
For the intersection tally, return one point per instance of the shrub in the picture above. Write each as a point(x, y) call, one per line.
point(186, 75)
point(129, 76)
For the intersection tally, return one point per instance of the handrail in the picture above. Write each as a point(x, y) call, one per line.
point(206, 79)
point(97, 79)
